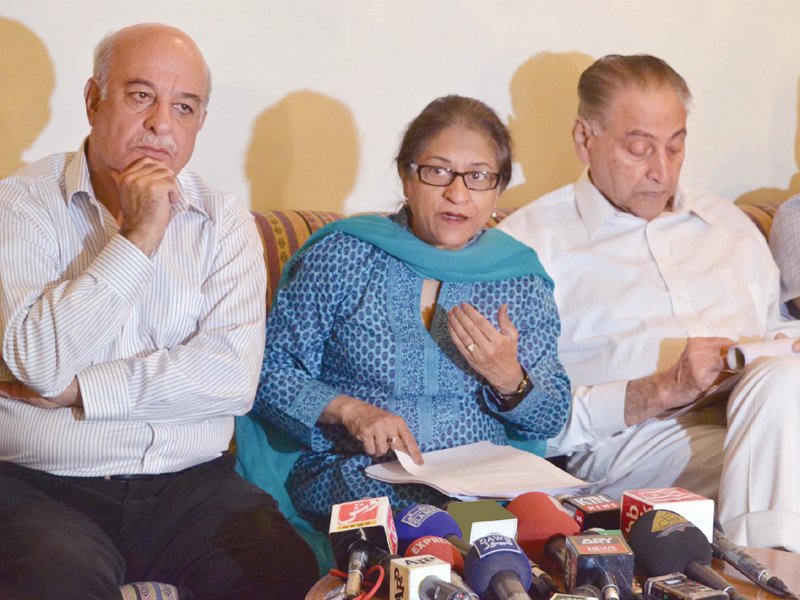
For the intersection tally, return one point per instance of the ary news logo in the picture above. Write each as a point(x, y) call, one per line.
point(417, 515)
point(358, 512)
point(495, 542)
point(600, 544)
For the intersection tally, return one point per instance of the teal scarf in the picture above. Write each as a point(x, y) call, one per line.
point(494, 256)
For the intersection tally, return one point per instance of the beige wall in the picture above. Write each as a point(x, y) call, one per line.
point(310, 97)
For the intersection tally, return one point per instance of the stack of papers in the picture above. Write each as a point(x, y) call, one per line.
point(480, 470)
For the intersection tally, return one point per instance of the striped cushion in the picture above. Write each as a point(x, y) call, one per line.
point(282, 233)
point(148, 591)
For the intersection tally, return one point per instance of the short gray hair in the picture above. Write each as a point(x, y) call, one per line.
point(599, 84)
point(103, 53)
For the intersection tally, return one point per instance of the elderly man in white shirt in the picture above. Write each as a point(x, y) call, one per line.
point(132, 328)
point(654, 282)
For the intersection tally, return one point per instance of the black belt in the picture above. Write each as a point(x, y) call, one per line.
point(141, 477)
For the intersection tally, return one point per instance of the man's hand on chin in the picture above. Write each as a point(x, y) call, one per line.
point(70, 397)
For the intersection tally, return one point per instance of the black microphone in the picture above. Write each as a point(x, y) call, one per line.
point(602, 559)
point(664, 542)
point(357, 529)
point(582, 592)
point(352, 552)
point(732, 554)
point(597, 510)
point(676, 586)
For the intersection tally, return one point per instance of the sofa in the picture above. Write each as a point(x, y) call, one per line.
point(268, 454)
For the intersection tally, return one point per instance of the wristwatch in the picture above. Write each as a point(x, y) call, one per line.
point(522, 390)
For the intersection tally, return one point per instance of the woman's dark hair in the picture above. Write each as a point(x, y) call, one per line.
point(449, 111)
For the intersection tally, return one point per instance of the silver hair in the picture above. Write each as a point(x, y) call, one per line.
point(102, 58)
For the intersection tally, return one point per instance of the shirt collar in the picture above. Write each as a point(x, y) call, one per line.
point(594, 209)
point(78, 182)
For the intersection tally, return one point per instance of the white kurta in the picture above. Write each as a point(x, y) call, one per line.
point(630, 292)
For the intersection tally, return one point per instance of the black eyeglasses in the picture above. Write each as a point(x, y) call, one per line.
point(479, 181)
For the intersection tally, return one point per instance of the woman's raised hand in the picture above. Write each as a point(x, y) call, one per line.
point(491, 352)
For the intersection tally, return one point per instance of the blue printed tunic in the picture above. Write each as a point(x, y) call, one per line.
point(347, 322)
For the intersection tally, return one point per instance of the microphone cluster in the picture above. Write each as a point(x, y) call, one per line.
point(483, 551)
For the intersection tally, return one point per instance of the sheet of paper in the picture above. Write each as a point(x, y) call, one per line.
point(742, 355)
point(480, 470)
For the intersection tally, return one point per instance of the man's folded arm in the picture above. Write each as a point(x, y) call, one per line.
point(214, 372)
point(52, 329)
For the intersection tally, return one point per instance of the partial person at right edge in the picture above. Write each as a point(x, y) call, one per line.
point(784, 241)
point(654, 282)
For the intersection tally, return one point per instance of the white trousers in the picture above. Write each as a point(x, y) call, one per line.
point(751, 466)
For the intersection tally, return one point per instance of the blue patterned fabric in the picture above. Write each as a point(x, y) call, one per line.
point(347, 322)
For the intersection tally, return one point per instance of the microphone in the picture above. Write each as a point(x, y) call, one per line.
point(543, 525)
point(495, 562)
point(478, 518)
point(443, 550)
point(602, 559)
point(423, 578)
point(676, 586)
point(597, 510)
point(438, 547)
point(692, 507)
point(547, 531)
point(725, 549)
point(582, 592)
point(664, 542)
point(418, 520)
point(352, 554)
point(358, 528)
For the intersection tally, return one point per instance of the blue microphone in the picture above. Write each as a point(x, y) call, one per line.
point(495, 562)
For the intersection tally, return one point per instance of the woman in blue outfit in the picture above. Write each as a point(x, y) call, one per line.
point(415, 332)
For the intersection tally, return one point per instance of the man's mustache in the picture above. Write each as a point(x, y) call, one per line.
point(161, 142)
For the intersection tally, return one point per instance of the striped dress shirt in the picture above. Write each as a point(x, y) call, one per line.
point(166, 348)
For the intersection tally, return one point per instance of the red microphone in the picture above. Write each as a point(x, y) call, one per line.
point(438, 547)
point(543, 524)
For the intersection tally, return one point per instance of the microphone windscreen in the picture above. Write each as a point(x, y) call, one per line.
point(664, 542)
point(540, 517)
point(495, 554)
point(438, 547)
point(419, 520)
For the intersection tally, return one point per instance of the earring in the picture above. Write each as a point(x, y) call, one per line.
point(494, 214)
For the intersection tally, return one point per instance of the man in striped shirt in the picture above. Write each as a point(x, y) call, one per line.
point(132, 329)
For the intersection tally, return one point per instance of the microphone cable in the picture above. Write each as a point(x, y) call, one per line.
point(375, 585)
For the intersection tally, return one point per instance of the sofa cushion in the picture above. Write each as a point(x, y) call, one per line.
point(761, 215)
point(282, 233)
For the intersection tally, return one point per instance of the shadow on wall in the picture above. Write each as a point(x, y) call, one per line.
point(26, 80)
point(303, 154)
point(544, 96)
point(775, 196)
